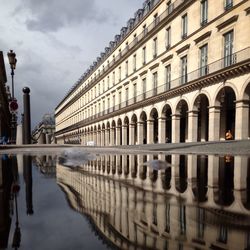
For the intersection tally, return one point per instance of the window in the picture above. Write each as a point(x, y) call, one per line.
point(204, 9)
point(203, 61)
point(103, 86)
point(134, 63)
point(168, 76)
point(156, 19)
point(155, 47)
point(120, 73)
point(228, 48)
point(169, 7)
point(228, 4)
point(103, 105)
point(108, 103)
point(126, 96)
point(184, 26)
point(155, 80)
point(144, 87)
point(168, 37)
point(144, 55)
point(113, 78)
point(126, 68)
point(120, 99)
point(108, 83)
point(113, 101)
point(135, 91)
point(183, 69)
point(144, 30)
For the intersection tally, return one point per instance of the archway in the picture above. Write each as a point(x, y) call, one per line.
point(119, 132)
point(113, 134)
point(143, 120)
point(103, 135)
point(201, 104)
point(181, 178)
point(126, 131)
point(154, 118)
point(182, 109)
point(167, 114)
point(226, 97)
point(134, 127)
point(245, 113)
point(108, 134)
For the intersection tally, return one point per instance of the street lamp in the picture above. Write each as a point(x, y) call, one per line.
point(13, 104)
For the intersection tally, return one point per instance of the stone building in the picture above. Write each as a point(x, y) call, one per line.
point(178, 71)
point(5, 116)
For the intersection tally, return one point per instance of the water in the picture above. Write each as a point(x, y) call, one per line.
point(86, 201)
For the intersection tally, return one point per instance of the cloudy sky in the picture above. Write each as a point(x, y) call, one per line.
point(55, 42)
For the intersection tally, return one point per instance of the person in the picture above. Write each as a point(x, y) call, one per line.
point(167, 140)
point(229, 135)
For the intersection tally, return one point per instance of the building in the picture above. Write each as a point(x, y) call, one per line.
point(44, 131)
point(5, 116)
point(178, 71)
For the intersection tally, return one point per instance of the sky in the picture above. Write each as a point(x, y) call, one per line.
point(55, 42)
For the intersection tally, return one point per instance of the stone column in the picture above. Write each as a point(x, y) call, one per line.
point(118, 136)
point(176, 128)
point(112, 135)
point(103, 137)
point(140, 132)
point(192, 125)
point(124, 135)
point(98, 141)
point(150, 131)
point(240, 172)
point(162, 129)
point(241, 119)
point(214, 123)
point(131, 134)
point(107, 142)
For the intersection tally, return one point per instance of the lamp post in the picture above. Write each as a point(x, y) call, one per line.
point(13, 104)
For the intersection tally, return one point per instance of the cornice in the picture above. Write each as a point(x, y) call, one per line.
point(203, 37)
point(167, 58)
point(186, 47)
point(227, 22)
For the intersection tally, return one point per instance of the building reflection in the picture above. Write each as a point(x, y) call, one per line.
point(197, 202)
point(9, 188)
point(46, 165)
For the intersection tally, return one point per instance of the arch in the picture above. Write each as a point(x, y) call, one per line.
point(113, 126)
point(226, 97)
point(119, 132)
point(181, 178)
point(134, 128)
point(126, 131)
point(143, 121)
point(246, 99)
point(201, 104)
point(153, 116)
point(167, 115)
point(182, 111)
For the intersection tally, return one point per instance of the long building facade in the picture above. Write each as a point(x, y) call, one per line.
point(178, 72)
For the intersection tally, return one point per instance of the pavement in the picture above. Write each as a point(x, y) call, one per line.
point(234, 147)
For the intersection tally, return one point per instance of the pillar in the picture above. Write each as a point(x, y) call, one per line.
point(192, 125)
point(150, 131)
point(132, 134)
point(118, 135)
point(162, 129)
point(140, 132)
point(241, 119)
point(107, 142)
point(214, 123)
point(103, 137)
point(112, 136)
point(26, 118)
point(124, 135)
point(176, 128)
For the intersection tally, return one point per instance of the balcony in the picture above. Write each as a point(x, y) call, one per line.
point(240, 57)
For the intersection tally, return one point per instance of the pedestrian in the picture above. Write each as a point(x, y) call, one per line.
point(229, 135)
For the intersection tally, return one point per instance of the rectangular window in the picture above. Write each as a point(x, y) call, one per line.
point(135, 92)
point(145, 30)
point(103, 86)
point(184, 26)
point(113, 78)
point(108, 104)
point(103, 105)
point(120, 99)
point(169, 7)
point(126, 96)
point(155, 47)
point(144, 87)
point(144, 55)
point(120, 73)
point(134, 63)
point(126, 69)
point(113, 102)
point(203, 61)
point(204, 12)
point(108, 83)
point(228, 48)
point(155, 82)
point(228, 4)
point(183, 69)
point(168, 76)
point(168, 37)
point(155, 19)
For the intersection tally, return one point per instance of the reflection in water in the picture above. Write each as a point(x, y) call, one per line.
point(198, 202)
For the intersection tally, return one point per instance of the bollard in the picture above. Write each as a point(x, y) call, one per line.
point(26, 116)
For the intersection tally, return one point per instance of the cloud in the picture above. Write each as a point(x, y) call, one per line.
point(52, 15)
